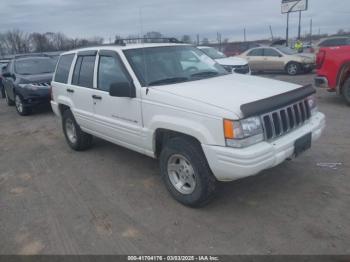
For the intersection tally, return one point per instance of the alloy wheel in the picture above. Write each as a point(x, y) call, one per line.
point(71, 131)
point(292, 69)
point(19, 104)
point(181, 174)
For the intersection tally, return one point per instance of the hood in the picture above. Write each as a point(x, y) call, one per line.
point(230, 91)
point(32, 79)
point(232, 61)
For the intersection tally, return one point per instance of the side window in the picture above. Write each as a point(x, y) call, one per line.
point(341, 42)
point(270, 52)
point(83, 74)
point(63, 68)
point(256, 52)
point(326, 43)
point(76, 72)
point(110, 71)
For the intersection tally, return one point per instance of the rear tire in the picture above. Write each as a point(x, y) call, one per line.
point(186, 173)
point(292, 68)
point(76, 138)
point(20, 108)
point(346, 91)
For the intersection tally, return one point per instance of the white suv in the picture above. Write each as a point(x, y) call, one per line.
point(204, 124)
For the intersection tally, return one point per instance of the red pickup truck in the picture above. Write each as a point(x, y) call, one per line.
point(333, 70)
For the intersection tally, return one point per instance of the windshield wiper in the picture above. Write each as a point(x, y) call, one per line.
point(169, 80)
point(205, 74)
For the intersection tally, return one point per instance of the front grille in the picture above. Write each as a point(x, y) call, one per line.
point(283, 120)
point(244, 69)
point(43, 84)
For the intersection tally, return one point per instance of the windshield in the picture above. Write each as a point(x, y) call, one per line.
point(171, 64)
point(213, 53)
point(286, 50)
point(35, 66)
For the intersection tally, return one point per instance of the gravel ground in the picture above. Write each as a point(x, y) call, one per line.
point(110, 200)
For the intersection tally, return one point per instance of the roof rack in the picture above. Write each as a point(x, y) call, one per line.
point(124, 41)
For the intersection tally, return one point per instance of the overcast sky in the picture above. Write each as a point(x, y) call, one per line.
point(106, 18)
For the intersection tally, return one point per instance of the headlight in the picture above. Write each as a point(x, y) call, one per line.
point(311, 100)
point(244, 132)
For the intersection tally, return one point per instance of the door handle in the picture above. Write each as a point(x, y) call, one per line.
point(96, 97)
point(70, 90)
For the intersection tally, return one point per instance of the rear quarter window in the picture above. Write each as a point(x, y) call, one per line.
point(63, 68)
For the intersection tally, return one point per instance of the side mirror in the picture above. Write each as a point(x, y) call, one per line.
point(122, 89)
point(7, 74)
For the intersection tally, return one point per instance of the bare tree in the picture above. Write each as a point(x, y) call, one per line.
point(17, 41)
point(39, 42)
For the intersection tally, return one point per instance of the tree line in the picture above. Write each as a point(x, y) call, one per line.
point(18, 42)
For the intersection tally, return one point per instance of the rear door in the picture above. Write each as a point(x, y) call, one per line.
point(118, 119)
point(255, 58)
point(81, 89)
point(273, 60)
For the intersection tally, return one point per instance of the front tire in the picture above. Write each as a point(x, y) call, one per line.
point(293, 68)
point(20, 107)
point(9, 102)
point(76, 138)
point(186, 173)
point(346, 91)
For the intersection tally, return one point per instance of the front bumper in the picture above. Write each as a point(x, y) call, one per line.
point(55, 108)
point(229, 164)
point(321, 81)
point(308, 67)
point(35, 98)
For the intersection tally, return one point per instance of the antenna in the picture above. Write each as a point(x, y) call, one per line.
point(143, 51)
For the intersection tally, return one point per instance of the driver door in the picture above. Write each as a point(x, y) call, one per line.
point(273, 60)
point(117, 119)
point(256, 59)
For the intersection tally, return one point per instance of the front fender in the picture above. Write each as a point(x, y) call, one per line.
point(206, 130)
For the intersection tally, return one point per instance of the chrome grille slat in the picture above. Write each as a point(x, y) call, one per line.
point(278, 122)
point(272, 126)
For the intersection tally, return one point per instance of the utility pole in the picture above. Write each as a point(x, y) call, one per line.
point(197, 39)
point(310, 30)
point(271, 33)
point(218, 37)
point(245, 35)
point(287, 30)
point(299, 28)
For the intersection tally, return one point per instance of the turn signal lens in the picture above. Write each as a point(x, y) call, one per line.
point(228, 129)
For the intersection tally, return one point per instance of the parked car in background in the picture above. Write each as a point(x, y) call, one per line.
point(333, 70)
point(27, 80)
point(3, 64)
point(234, 49)
point(231, 64)
point(278, 58)
point(203, 125)
point(331, 42)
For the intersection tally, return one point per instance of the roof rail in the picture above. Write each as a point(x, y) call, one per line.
point(31, 55)
point(124, 41)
